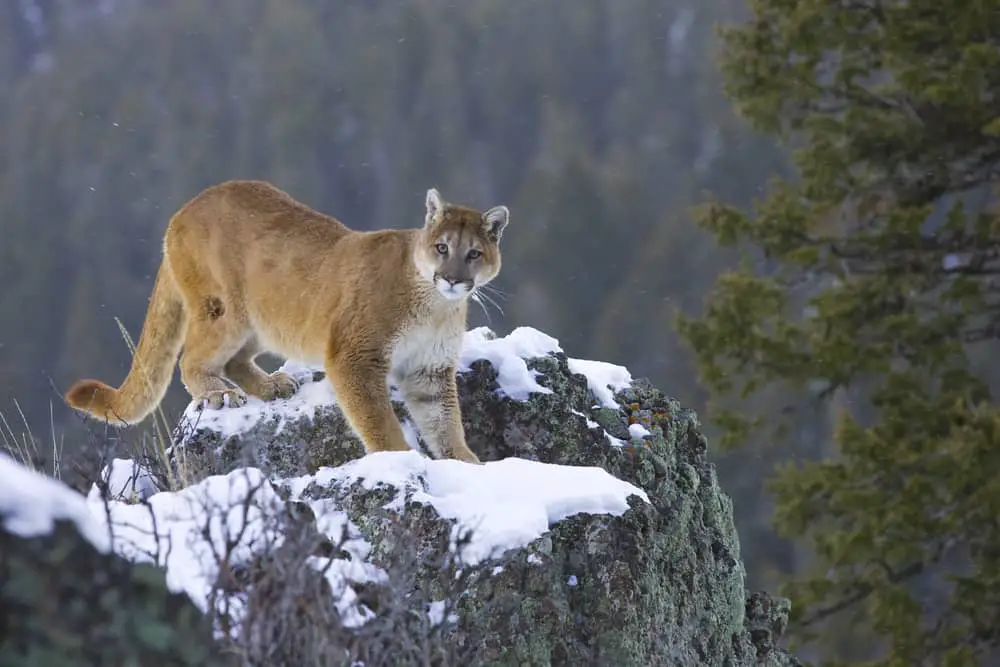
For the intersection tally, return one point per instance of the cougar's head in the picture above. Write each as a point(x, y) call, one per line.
point(459, 247)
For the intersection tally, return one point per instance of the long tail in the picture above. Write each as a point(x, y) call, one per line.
point(152, 365)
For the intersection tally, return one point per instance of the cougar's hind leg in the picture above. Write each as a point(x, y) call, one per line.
point(217, 325)
point(242, 370)
point(213, 338)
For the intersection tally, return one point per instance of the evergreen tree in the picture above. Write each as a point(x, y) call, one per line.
point(873, 280)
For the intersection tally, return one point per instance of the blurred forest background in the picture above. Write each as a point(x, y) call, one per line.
point(599, 123)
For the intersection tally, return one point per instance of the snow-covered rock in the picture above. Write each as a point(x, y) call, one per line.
point(31, 504)
point(591, 477)
point(595, 533)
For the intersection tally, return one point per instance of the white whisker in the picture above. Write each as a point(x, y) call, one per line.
point(492, 302)
point(499, 293)
point(476, 297)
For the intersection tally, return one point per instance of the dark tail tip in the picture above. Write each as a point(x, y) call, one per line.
point(93, 397)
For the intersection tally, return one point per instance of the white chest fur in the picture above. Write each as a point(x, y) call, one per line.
point(422, 346)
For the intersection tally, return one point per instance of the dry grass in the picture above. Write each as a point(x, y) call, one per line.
point(25, 447)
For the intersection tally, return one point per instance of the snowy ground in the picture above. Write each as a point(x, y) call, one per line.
point(505, 504)
point(31, 503)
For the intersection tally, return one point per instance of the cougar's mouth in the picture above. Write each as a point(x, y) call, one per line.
point(453, 291)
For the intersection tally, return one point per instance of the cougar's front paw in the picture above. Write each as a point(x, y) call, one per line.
point(463, 453)
point(281, 385)
point(221, 398)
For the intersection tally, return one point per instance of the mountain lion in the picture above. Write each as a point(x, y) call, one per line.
point(247, 269)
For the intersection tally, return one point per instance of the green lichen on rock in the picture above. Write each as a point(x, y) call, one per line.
point(766, 619)
point(65, 604)
point(283, 447)
point(662, 584)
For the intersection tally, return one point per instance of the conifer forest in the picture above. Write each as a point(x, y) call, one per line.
point(783, 213)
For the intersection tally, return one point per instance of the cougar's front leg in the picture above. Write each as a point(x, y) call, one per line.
point(431, 397)
point(360, 383)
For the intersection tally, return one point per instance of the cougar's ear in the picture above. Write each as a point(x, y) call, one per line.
point(434, 206)
point(494, 221)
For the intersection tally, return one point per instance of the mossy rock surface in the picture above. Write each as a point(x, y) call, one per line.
point(663, 584)
point(65, 604)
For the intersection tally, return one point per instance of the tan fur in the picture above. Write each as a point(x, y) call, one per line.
point(248, 269)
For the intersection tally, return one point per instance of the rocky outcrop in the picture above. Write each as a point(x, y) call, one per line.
point(661, 583)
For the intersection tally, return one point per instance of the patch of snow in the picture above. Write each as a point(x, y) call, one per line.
point(534, 559)
point(229, 518)
point(333, 522)
point(590, 422)
point(341, 574)
point(615, 442)
point(497, 570)
point(231, 421)
point(187, 532)
point(638, 431)
point(435, 611)
point(504, 504)
point(31, 503)
point(572, 580)
point(507, 355)
point(604, 379)
point(126, 480)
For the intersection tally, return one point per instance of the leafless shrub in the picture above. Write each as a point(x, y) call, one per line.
point(285, 594)
point(305, 599)
point(23, 446)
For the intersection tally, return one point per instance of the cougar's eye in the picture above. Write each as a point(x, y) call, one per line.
point(442, 248)
point(474, 254)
